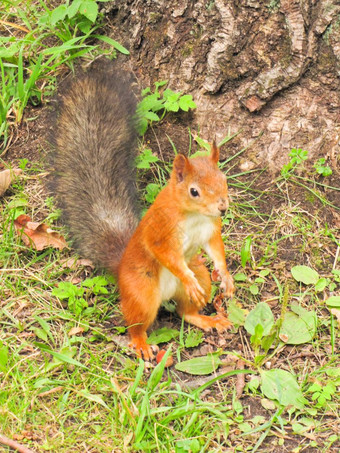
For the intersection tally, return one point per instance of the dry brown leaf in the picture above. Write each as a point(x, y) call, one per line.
point(336, 313)
point(169, 362)
point(215, 276)
point(336, 216)
point(72, 263)
point(283, 337)
point(218, 305)
point(38, 235)
point(75, 331)
point(240, 379)
point(6, 178)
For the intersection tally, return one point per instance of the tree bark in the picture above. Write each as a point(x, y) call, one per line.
point(268, 68)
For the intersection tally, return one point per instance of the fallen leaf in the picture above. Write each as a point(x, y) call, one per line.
point(218, 305)
point(6, 178)
point(240, 379)
point(72, 263)
point(169, 362)
point(267, 404)
point(38, 235)
point(18, 436)
point(283, 337)
point(215, 276)
point(336, 313)
point(75, 331)
point(200, 365)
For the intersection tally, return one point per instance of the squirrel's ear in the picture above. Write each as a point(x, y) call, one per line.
point(215, 152)
point(181, 167)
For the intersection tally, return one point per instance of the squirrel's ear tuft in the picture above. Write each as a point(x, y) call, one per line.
point(181, 167)
point(215, 152)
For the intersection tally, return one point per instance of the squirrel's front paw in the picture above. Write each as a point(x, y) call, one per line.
point(227, 285)
point(195, 292)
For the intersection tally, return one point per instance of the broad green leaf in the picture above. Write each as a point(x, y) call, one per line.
point(298, 328)
point(160, 83)
point(58, 14)
point(73, 8)
point(254, 289)
point(258, 334)
point(193, 339)
point(96, 284)
point(240, 277)
point(9, 52)
point(67, 290)
point(152, 190)
point(186, 102)
point(89, 9)
point(162, 335)
point(333, 372)
point(151, 116)
point(254, 384)
point(244, 427)
point(85, 27)
point(264, 272)
point(333, 301)
point(262, 315)
point(142, 126)
point(281, 386)
point(305, 274)
point(149, 103)
point(321, 284)
point(188, 446)
point(144, 159)
point(200, 365)
point(236, 314)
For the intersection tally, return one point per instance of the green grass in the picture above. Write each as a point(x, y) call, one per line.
point(68, 382)
point(38, 44)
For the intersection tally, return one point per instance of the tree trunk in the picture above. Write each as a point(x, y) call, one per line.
point(268, 68)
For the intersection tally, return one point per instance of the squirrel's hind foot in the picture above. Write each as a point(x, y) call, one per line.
point(143, 349)
point(218, 322)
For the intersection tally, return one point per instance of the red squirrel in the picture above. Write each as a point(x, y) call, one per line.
point(94, 180)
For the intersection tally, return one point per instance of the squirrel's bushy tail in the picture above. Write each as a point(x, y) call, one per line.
point(93, 154)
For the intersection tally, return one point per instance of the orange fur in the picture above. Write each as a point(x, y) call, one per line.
point(161, 260)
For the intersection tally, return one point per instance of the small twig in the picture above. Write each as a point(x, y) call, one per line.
point(54, 390)
point(336, 257)
point(159, 146)
point(15, 445)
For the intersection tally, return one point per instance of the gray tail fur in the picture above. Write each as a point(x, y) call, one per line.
point(93, 154)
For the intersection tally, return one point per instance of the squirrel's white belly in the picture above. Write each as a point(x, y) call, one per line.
point(196, 231)
point(168, 284)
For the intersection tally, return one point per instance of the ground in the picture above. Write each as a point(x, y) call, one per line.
point(289, 225)
point(69, 381)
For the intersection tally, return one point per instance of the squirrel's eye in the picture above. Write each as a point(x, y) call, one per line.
point(194, 192)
